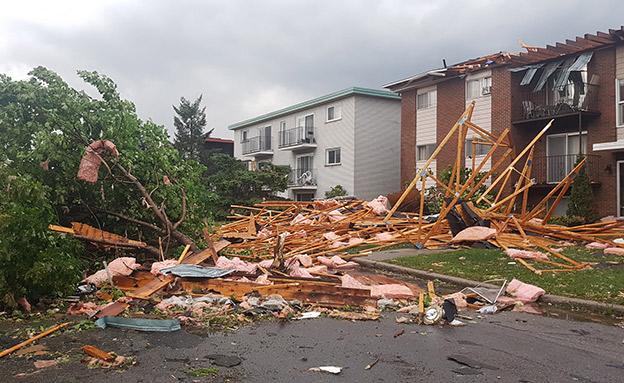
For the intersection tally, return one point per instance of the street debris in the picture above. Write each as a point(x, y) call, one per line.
point(24, 343)
point(139, 324)
point(331, 369)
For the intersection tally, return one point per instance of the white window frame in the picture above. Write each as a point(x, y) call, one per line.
point(619, 103)
point(337, 112)
point(567, 137)
point(333, 150)
point(245, 135)
point(481, 150)
point(428, 150)
point(482, 87)
point(427, 100)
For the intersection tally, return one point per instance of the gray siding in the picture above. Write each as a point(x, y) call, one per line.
point(377, 147)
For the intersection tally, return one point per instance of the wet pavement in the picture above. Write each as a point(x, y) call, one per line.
point(519, 348)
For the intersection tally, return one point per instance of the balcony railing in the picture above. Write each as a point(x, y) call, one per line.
point(546, 103)
point(303, 177)
point(553, 169)
point(257, 144)
point(297, 137)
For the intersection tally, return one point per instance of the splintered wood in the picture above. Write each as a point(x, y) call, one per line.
point(499, 184)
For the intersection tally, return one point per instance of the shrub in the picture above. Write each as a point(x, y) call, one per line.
point(33, 261)
point(336, 191)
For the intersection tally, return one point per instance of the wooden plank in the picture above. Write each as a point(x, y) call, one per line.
point(34, 338)
point(97, 353)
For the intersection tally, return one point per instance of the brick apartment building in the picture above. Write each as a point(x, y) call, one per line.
point(579, 83)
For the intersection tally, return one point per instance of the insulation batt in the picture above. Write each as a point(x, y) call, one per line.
point(156, 266)
point(90, 163)
point(596, 245)
point(236, 264)
point(379, 205)
point(524, 292)
point(517, 253)
point(120, 266)
point(474, 233)
point(614, 251)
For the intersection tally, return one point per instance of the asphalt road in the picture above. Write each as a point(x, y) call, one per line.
point(508, 346)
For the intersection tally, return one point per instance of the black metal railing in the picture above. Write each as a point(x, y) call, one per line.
point(571, 98)
point(303, 177)
point(257, 144)
point(553, 169)
point(297, 136)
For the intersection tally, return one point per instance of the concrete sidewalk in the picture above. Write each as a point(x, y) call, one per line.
point(378, 261)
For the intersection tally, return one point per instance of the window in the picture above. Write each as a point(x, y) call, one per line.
point(561, 154)
point(427, 100)
point(282, 126)
point(423, 152)
point(478, 87)
point(333, 156)
point(620, 102)
point(480, 149)
point(333, 113)
point(304, 197)
point(244, 136)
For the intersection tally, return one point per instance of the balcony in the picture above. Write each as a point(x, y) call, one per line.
point(547, 103)
point(301, 137)
point(258, 146)
point(553, 169)
point(302, 179)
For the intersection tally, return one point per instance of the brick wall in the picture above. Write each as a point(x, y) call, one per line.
point(451, 105)
point(408, 136)
point(602, 128)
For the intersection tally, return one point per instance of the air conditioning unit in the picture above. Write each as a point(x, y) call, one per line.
point(486, 90)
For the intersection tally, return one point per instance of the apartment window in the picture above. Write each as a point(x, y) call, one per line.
point(333, 113)
point(423, 152)
point(620, 102)
point(562, 151)
point(282, 126)
point(479, 149)
point(244, 136)
point(333, 156)
point(478, 87)
point(427, 100)
point(304, 197)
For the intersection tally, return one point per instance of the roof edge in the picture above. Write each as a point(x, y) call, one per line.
point(317, 101)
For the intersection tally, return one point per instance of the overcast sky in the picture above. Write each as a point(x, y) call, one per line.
point(252, 57)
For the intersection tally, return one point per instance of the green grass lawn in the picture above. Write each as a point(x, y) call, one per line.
point(603, 284)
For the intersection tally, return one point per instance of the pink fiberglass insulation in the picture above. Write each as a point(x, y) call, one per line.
point(379, 205)
point(299, 272)
point(317, 269)
point(524, 292)
point(474, 233)
point(378, 291)
point(120, 266)
point(596, 245)
point(384, 237)
point(331, 236)
point(236, 264)
point(90, 163)
point(156, 266)
point(336, 262)
point(300, 219)
point(355, 241)
point(335, 216)
point(526, 254)
point(614, 251)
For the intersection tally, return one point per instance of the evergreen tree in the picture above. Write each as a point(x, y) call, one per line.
point(581, 197)
point(190, 123)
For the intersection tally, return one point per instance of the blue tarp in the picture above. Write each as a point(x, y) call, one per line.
point(160, 325)
point(195, 271)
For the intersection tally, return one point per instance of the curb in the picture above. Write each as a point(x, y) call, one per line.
point(547, 298)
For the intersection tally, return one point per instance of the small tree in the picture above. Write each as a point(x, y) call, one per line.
point(580, 207)
point(190, 123)
point(33, 261)
point(336, 191)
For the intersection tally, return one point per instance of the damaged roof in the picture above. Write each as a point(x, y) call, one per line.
point(531, 56)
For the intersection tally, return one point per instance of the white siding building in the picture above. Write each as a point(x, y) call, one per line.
point(349, 138)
